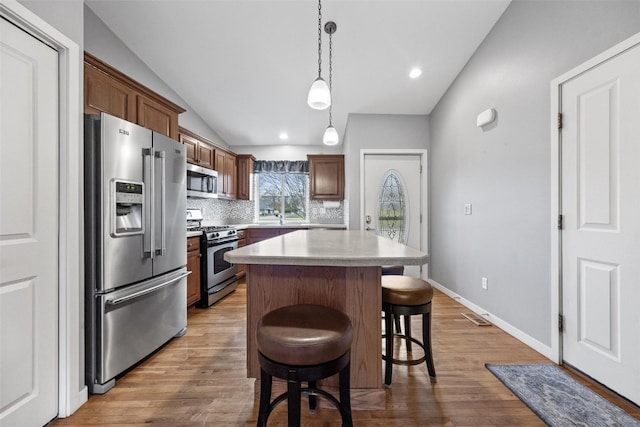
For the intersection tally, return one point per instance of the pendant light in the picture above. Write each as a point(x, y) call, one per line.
point(319, 97)
point(331, 134)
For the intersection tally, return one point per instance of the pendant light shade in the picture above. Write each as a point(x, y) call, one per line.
point(319, 95)
point(330, 136)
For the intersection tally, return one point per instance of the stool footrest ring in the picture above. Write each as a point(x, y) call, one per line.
point(406, 362)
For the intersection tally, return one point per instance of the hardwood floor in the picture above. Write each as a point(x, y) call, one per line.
point(200, 379)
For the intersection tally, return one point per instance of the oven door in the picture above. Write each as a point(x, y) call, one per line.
point(219, 270)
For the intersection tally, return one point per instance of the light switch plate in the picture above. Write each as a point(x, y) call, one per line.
point(467, 208)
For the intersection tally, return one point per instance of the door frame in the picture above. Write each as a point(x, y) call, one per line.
point(72, 391)
point(556, 183)
point(424, 205)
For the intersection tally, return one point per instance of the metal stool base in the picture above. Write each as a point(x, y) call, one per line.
point(391, 311)
point(295, 375)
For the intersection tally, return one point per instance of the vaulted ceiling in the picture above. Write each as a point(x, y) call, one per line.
point(245, 66)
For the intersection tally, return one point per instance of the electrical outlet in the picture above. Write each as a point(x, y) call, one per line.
point(467, 208)
point(485, 283)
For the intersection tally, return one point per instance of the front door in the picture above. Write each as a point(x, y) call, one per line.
point(601, 236)
point(392, 199)
point(28, 229)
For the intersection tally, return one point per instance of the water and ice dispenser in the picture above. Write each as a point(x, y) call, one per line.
point(127, 207)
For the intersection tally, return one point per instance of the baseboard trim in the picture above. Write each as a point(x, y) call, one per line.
point(541, 348)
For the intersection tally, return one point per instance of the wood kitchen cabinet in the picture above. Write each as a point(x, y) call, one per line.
point(258, 234)
point(102, 93)
point(245, 169)
point(242, 241)
point(193, 265)
point(200, 151)
point(326, 176)
point(108, 90)
point(227, 171)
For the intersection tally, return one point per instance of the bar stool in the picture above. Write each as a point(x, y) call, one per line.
point(304, 343)
point(397, 270)
point(406, 296)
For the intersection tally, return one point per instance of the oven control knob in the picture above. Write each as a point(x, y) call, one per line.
point(215, 235)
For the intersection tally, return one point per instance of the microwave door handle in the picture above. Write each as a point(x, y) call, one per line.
point(163, 190)
point(148, 237)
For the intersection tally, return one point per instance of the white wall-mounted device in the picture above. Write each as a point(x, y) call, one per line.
point(486, 117)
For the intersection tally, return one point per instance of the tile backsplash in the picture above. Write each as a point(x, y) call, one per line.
point(243, 211)
point(224, 211)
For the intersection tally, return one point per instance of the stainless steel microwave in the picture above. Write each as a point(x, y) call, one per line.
point(202, 183)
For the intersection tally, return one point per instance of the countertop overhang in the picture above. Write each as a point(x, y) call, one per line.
point(339, 248)
point(301, 225)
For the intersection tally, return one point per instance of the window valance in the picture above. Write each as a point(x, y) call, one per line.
point(281, 166)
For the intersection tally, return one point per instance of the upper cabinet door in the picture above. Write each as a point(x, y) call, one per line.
point(191, 147)
point(155, 116)
point(326, 177)
point(102, 93)
point(245, 169)
point(206, 155)
point(199, 152)
point(230, 173)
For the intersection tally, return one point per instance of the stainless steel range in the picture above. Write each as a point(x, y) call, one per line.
point(218, 276)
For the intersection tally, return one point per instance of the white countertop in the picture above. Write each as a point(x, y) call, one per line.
point(338, 248)
point(303, 225)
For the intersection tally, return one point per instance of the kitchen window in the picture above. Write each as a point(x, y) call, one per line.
point(283, 190)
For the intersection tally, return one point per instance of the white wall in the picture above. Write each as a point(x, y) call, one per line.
point(63, 15)
point(102, 43)
point(377, 131)
point(504, 170)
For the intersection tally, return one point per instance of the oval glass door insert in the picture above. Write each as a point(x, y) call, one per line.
point(392, 208)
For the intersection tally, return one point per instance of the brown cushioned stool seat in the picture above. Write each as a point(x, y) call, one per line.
point(303, 343)
point(406, 296)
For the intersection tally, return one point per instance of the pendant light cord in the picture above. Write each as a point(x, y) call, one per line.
point(330, 73)
point(319, 38)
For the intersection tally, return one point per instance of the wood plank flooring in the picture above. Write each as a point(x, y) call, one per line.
point(200, 379)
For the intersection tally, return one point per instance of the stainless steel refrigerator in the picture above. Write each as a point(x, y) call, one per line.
point(135, 245)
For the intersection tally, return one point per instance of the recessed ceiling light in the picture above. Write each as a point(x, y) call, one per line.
point(415, 73)
point(284, 136)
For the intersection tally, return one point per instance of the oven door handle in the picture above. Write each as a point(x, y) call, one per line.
point(221, 242)
point(146, 291)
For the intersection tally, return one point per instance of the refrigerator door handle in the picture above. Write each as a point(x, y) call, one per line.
point(163, 244)
point(146, 291)
point(149, 241)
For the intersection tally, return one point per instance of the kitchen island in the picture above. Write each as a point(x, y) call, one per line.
point(335, 268)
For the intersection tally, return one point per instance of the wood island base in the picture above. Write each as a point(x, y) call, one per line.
point(353, 290)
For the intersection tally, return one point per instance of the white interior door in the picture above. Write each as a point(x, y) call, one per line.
point(28, 229)
point(392, 199)
point(601, 236)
